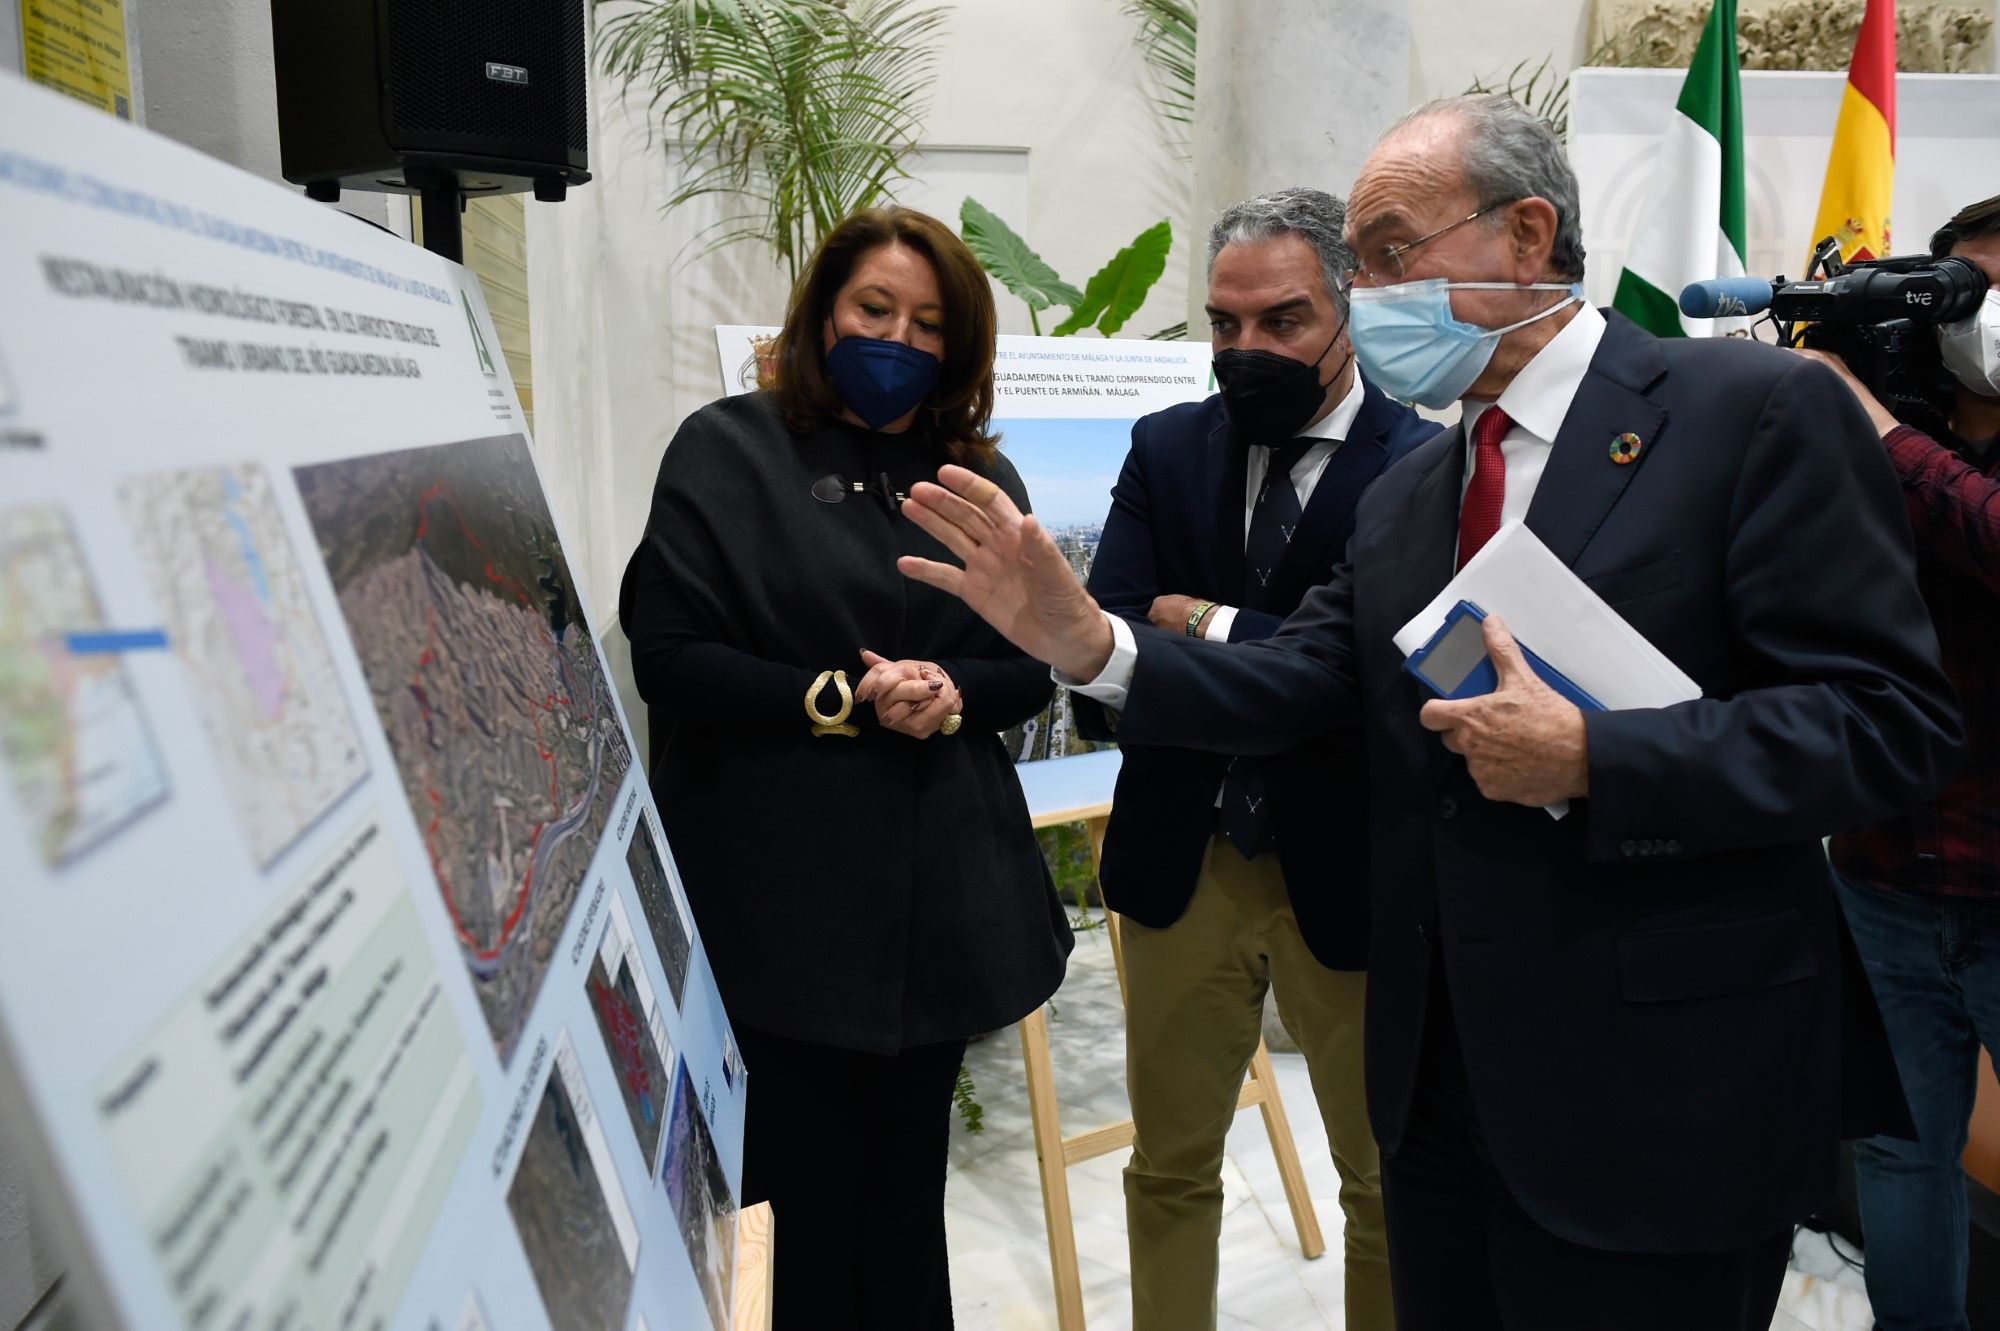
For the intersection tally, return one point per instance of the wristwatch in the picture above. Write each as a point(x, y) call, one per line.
point(1195, 616)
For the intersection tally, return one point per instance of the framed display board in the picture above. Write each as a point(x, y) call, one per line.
point(345, 976)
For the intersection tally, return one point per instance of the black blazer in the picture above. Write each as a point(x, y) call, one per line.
point(1176, 526)
point(1663, 1021)
point(877, 892)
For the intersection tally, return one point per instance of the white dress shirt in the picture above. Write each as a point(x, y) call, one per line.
point(1332, 428)
point(1536, 401)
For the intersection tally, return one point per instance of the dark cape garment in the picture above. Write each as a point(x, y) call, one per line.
point(876, 893)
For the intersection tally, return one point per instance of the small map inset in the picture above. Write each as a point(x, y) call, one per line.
point(75, 741)
point(572, 1216)
point(635, 1035)
point(487, 682)
point(271, 703)
point(703, 1205)
point(666, 913)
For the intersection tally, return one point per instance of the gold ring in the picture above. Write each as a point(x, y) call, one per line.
point(950, 725)
point(981, 493)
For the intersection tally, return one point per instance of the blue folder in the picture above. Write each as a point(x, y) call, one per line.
point(1453, 663)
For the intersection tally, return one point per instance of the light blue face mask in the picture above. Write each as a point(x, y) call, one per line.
point(1411, 346)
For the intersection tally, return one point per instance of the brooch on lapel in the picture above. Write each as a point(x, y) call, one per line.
point(1625, 448)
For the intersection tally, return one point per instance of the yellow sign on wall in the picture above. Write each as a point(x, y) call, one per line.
point(78, 47)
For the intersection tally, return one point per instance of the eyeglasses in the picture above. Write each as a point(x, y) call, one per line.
point(1382, 265)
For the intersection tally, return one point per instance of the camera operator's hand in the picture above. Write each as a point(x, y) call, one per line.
point(1877, 413)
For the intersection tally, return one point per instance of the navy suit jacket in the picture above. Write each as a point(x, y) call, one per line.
point(1176, 526)
point(1664, 1027)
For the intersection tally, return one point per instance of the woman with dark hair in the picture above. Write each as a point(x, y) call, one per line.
point(858, 854)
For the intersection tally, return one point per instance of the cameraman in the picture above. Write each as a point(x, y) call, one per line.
point(1922, 892)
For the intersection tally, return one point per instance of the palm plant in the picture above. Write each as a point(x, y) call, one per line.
point(1166, 38)
point(800, 109)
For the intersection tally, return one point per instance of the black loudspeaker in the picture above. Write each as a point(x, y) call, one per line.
point(432, 97)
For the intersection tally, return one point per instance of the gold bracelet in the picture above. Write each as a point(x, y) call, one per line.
point(824, 725)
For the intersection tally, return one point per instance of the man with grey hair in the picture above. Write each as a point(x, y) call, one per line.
point(1610, 1056)
point(1236, 876)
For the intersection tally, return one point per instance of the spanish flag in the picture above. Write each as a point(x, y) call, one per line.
point(1861, 170)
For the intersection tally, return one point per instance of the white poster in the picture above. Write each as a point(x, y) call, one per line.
point(1063, 408)
point(344, 979)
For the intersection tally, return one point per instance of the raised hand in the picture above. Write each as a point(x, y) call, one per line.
point(1014, 577)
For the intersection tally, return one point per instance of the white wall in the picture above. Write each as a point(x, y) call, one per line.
point(1453, 43)
point(623, 346)
point(205, 70)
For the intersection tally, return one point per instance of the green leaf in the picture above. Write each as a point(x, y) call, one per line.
point(1004, 255)
point(1167, 39)
point(1120, 287)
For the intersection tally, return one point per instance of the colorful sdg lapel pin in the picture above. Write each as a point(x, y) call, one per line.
point(1625, 448)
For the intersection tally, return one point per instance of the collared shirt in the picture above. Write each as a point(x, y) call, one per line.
point(1332, 428)
point(1951, 845)
point(1536, 401)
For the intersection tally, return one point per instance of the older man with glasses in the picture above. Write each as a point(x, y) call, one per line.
point(1609, 1057)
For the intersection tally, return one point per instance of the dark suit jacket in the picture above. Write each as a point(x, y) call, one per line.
point(1176, 526)
point(1663, 1023)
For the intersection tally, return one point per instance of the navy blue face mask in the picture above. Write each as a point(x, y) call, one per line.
point(881, 381)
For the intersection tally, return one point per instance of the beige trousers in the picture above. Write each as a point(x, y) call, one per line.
point(1193, 1014)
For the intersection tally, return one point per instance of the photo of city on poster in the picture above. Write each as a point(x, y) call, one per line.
point(488, 685)
point(702, 1202)
point(1069, 467)
point(666, 913)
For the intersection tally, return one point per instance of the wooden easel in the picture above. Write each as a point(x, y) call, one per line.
point(1056, 1153)
point(754, 1270)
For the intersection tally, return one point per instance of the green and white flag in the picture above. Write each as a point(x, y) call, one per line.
point(1693, 224)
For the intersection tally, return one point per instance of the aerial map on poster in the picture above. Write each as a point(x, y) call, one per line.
point(395, 1015)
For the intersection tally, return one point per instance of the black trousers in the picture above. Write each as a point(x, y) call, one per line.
point(849, 1149)
point(1464, 1255)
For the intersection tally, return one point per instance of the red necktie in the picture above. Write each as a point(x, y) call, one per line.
point(1479, 514)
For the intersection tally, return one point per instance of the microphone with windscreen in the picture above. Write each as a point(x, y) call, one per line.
point(1727, 297)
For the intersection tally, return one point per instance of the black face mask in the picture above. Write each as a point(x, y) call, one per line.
point(1268, 397)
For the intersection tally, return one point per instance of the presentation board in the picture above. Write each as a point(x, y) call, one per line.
point(346, 980)
point(1063, 408)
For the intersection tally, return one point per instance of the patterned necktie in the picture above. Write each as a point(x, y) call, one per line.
point(1479, 514)
point(1246, 813)
point(1273, 518)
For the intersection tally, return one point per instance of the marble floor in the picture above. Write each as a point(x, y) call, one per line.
point(999, 1252)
